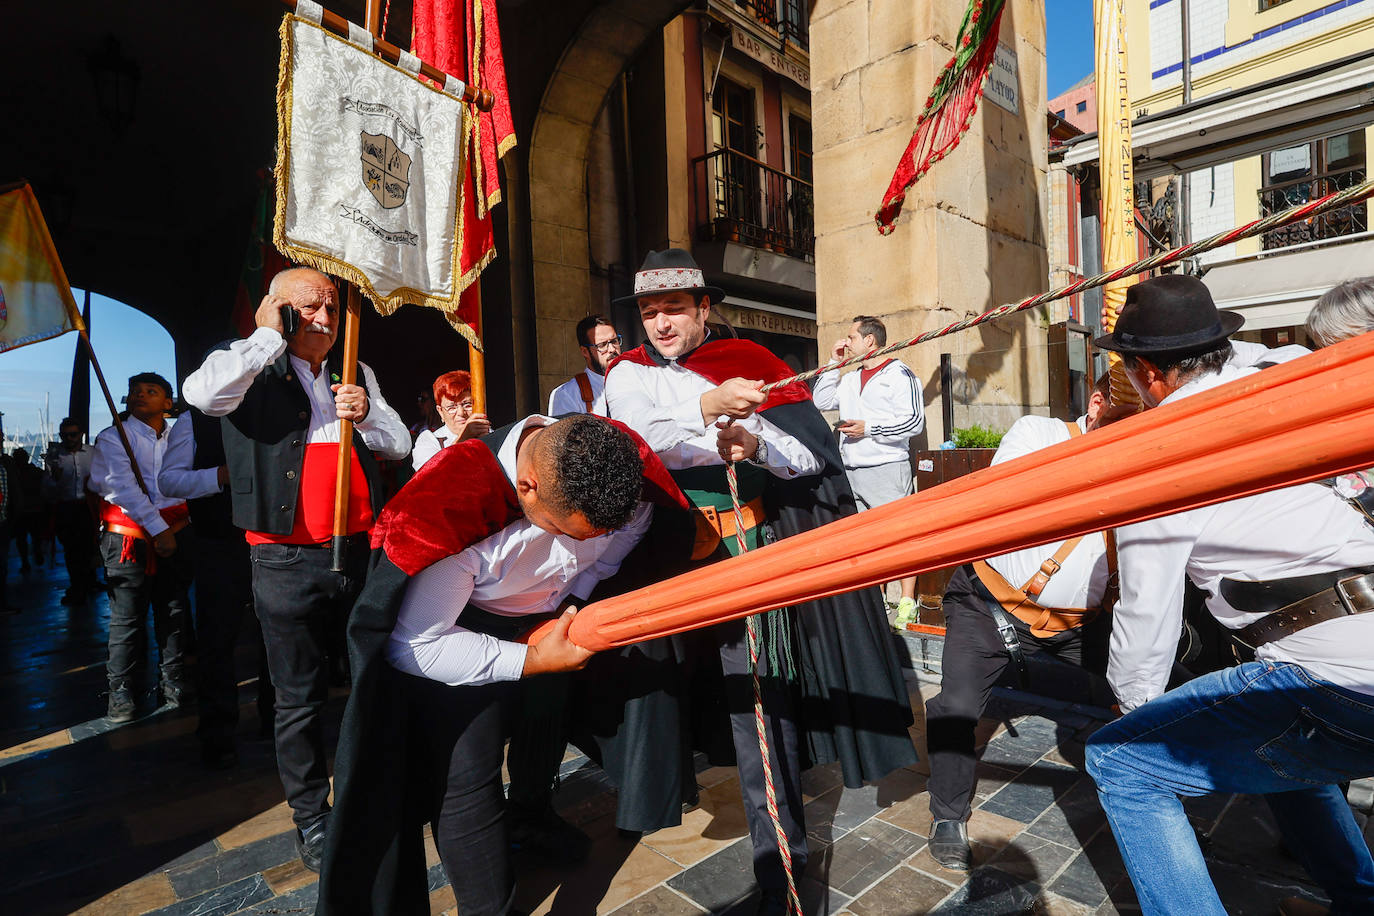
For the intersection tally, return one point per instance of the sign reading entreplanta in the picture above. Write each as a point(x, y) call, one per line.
point(770, 57)
point(1002, 87)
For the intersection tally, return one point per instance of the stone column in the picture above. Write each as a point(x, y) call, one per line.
point(972, 234)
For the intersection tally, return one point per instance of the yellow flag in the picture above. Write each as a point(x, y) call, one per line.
point(1115, 171)
point(35, 301)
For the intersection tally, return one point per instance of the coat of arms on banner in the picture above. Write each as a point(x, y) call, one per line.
point(368, 166)
point(386, 170)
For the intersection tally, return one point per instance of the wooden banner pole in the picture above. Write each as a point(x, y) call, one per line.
point(114, 412)
point(353, 314)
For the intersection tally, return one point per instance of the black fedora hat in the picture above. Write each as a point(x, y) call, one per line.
point(669, 271)
point(1172, 314)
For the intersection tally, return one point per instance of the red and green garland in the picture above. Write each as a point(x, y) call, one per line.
point(950, 107)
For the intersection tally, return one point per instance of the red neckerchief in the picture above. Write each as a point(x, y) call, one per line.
point(866, 374)
point(719, 359)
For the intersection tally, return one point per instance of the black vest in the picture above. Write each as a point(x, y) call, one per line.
point(264, 443)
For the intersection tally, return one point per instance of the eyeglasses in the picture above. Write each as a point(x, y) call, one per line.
point(606, 345)
point(452, 409)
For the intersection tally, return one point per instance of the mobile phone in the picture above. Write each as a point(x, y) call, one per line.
point(290, 321)
point(839, 423)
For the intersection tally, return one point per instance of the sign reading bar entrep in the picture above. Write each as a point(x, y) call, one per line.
point(770, 57)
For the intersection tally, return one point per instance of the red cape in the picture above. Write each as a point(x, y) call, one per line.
point(723, 358)
point(461, 496)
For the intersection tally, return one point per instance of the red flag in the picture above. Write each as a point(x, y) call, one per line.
point(462, 37)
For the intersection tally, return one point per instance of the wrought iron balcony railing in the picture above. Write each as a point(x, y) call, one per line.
point(740, 199)
point(1345, 221)
point(786, 17)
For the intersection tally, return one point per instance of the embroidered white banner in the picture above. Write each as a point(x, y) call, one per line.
point(368, 171)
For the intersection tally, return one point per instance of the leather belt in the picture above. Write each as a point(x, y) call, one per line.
point(133, 531)
point(1006, 630)
point(1351, 595)
point(714, 525)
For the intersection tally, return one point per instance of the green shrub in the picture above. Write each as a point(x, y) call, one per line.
point(977, 437)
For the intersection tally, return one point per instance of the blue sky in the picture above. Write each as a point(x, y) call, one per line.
point(127, 342)
point(1069, 40)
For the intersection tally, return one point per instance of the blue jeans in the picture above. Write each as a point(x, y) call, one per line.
point(1260, 729)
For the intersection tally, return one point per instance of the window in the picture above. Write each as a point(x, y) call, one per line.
point(1060, 113)
point(1297, 174)
point(732, 117)
point(1082, 107)
point(1270, 4)
point(799, 144)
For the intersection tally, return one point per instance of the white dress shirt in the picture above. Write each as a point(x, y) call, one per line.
point(567, 397)
point(520, 570)
point(1082, 579)
point(113, 479)
point(890, 406)
point(178, 478)
point(1295, 531)
point(430, 443)
point(663, 404)
point(218, 386)
point(69, 472)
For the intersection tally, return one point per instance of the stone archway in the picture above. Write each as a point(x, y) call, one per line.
point(608, 39)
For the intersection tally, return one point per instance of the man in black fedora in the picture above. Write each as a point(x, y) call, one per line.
point(832, 686)
point(1291, 574)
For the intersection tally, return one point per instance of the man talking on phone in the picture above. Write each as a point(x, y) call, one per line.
point(880, 409)
point(281, 400)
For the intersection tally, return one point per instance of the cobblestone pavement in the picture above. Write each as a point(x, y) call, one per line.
point(95, 819)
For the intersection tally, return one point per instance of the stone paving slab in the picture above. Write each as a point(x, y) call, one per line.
point(97, 819)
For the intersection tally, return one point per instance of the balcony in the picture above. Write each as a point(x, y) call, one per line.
point(1328, 226)
point(785, 17)
point(740, 199)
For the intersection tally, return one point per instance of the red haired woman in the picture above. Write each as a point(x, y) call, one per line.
point(453, 397)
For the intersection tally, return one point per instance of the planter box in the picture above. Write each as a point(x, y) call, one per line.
point(930, 469)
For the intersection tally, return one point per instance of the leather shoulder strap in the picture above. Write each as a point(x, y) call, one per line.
point(584, 387)
point(1074, 431)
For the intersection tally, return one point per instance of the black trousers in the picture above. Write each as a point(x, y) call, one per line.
point(301, 603)
point(224, 594)
point(457, 754)
point(974, 661)
point(132, 589)
point(781, 726)
point(76, 532)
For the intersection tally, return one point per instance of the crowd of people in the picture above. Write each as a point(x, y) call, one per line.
point(500, 530)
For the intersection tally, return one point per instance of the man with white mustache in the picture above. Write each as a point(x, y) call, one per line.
point(281, 398)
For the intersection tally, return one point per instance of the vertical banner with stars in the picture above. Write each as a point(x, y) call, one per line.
point(367, 174)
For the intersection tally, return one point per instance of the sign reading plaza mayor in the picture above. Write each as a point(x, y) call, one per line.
point(366, 164)
point(1001, 88)
point(770, 57)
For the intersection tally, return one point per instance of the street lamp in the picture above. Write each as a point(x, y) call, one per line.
point(116, 79)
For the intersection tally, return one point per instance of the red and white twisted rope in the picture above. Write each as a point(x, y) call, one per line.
point(751, 629)
point(1259, 226)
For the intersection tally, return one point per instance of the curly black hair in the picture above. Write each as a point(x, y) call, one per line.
point(599, 471)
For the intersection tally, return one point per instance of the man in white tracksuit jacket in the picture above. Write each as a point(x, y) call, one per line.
point(880, 409)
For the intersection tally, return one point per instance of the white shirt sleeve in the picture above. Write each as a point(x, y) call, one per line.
point(383, 430)
point(787, 457)
point(826, 394)
point(662, 427)
point(426, 447)
point(623, 541)
point(1152, 559)
point(178, 478)
point(565, 399)
point(113, 478)
point(427, 640)
point(218, 386)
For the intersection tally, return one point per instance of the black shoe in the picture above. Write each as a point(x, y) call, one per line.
point(310, 843)
point(549, 839)
point(175, 693)
point(949, 845)
point(122, 707)
point(774, 903)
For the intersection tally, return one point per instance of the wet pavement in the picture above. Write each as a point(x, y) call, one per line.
point(126, 820)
